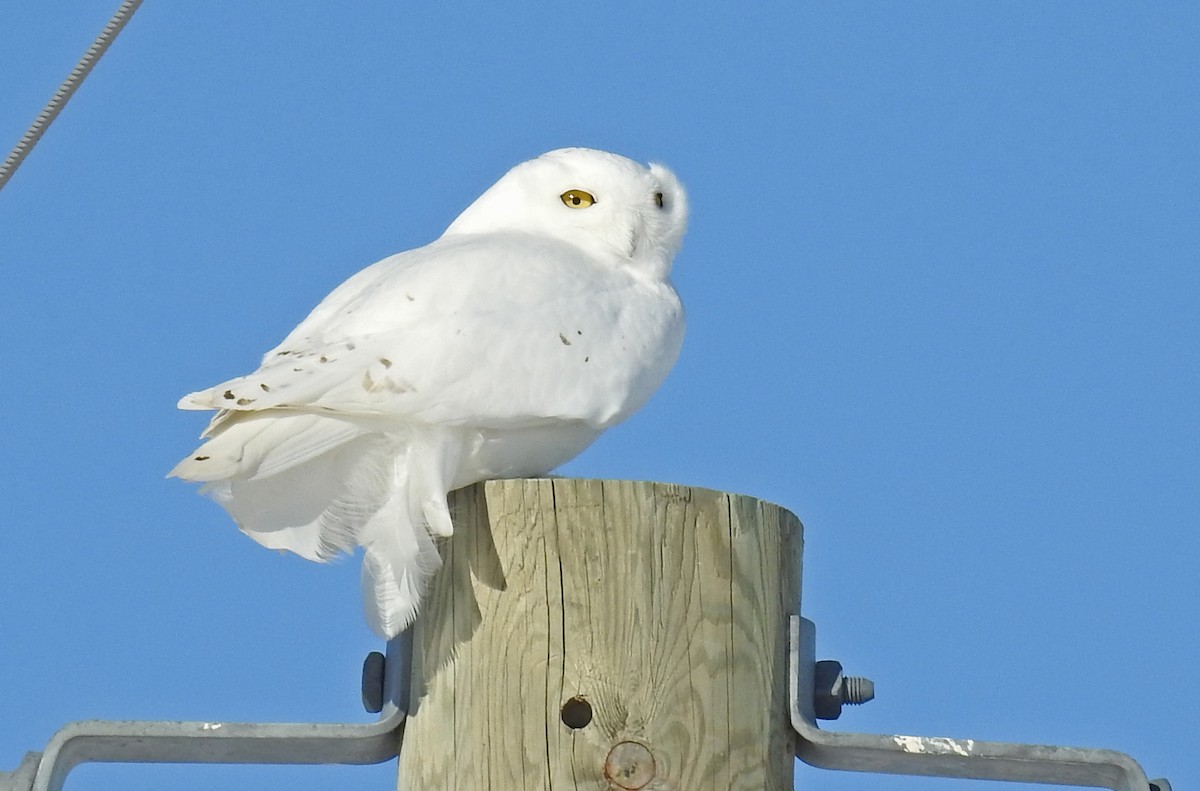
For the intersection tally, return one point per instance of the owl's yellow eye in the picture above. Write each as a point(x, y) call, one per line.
point(577, 199)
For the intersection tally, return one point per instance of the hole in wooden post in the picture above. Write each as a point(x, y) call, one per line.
point(576, 713)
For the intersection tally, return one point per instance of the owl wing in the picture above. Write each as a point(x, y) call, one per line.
point(488, 330)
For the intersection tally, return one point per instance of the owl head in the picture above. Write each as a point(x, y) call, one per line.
point(610, 206)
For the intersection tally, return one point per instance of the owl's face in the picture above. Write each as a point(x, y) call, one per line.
point(604, 203)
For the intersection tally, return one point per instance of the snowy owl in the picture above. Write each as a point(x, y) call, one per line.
point(542, 316)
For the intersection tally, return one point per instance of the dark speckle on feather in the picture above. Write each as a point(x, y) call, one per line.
point(245, 401)
point(228, 394)
point(385, 362)
point(202, 458)
point(265, 389)
point(323, 359)
point(563, 338)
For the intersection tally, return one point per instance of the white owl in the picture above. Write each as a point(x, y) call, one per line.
point(542, 316)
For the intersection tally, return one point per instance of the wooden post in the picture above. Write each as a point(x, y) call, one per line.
point(605, 635)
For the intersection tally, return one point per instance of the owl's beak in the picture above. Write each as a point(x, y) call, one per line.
point(637, 235)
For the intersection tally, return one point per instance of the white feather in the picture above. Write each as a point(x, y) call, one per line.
point(503, 348)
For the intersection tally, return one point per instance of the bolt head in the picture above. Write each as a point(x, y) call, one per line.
point(372, 682)
point(827, 689)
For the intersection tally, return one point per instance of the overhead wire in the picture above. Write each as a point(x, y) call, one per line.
point(66, 90)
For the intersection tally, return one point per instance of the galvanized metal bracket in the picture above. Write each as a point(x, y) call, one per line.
point(311, 743)
point(939, 756)
point(224, 742)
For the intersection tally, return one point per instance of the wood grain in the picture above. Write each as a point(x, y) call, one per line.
point(663, 608)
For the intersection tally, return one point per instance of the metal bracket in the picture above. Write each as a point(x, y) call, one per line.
point(943, 757)
point(310, 743)
point(224, 742)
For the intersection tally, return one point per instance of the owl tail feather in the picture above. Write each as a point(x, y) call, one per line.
point(399, 560)
point(318, 486)
point(401, 554)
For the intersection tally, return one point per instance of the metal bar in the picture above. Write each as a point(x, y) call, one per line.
point(224, 742)
point(938, 756)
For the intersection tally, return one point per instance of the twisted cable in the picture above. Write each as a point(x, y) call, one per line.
point(66, 90)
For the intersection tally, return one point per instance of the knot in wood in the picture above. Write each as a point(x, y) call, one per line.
point(629, 766)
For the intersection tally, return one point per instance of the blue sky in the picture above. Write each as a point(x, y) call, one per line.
point(942, 281)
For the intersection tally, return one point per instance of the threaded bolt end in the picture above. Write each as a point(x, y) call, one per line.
point(857, 690)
